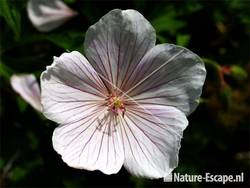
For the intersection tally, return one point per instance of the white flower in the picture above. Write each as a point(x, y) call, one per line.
point(26, 85)
point(47, 15)
point(126, 104)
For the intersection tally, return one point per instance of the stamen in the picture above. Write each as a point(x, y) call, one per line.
point(116, 105)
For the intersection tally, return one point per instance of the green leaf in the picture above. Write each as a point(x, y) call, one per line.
point(238, 73)
point(18, 173)
point(161, 39)
point(226, 96)
point(69, 1)
point(11, 16)
point(2, 163)
point(182, 39)
point(5, 71)
point(66, 40)
point(168, 23)
point(138, 182)
point(22, 105)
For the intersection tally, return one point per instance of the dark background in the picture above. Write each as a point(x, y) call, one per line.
point(217, 138)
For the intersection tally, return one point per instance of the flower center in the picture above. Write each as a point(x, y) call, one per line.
point(116, 105)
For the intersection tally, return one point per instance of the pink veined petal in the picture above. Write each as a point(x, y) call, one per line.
point(74, 96)
point(92, 143)
point(116, 44)
point(48, 15)
point(27, 86)
point(151, 136)
point(168, 75)
point(69, 87)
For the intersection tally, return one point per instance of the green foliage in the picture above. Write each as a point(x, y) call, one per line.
point(22, 105)
point(12, 17)
point(182, 39)
point(20, 172)
point(139, 182)
point(238, 73)
point(69, 1)
point(168, 22)
point(242, 9)
point(1, 163)
point(226, 96)
point(5, 71)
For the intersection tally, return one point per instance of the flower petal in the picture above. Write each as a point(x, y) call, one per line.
point(27, 86)
point(168, 75)
point(116, 44)
point(48, 15)
point(151, 136)
point(91, 143)
point(69, 87)
point(74, 96)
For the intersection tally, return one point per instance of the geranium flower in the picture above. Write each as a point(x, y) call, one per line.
point(47, 15)
point(126, 104)
point(27, 86)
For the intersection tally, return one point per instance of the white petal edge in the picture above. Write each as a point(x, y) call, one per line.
point(70, 86)
point(27, 86)
point(168, 75)
point(151, 136)
point(92, 143)
point(117, 42)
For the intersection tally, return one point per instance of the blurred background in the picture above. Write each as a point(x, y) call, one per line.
point(217, 138)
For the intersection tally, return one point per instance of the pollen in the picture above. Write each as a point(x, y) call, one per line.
point(117, 102)
point(116, 105)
